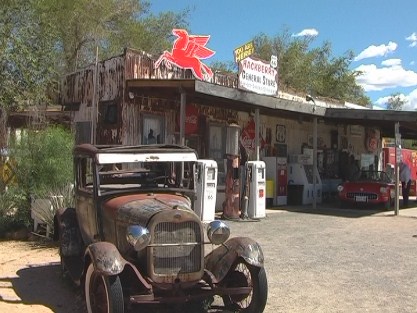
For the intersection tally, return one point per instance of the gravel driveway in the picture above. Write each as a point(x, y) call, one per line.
point(328, 260)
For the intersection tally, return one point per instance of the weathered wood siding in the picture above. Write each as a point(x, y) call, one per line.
point(77, 94)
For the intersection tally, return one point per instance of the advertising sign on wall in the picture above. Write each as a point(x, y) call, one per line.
point(258, 76)
point(247, 136)
point(244, 51)
point(187, 53)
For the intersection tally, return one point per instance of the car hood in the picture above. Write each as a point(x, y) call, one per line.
point(366, 185)
point(139, 209)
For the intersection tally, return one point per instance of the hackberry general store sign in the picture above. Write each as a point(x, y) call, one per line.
point(258, 76)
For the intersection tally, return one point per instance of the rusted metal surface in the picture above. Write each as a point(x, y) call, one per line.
point(139, 208)
point(171, 267)
point(77, 94)
point(220, 260)
point(106, 258)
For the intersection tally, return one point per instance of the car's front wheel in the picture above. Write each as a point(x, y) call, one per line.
point(103, 294)
point(245, 275)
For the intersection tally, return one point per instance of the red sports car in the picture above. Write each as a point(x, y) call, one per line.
point(369, 188)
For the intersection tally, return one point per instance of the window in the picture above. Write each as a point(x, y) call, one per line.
point(85, 175)
point(108, 113)
point(153, 129)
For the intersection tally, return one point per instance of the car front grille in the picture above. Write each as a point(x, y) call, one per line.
point(368, 195)
point(176, 248)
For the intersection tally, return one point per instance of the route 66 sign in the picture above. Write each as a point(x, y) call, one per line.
point(280, 133)
point(274, 61)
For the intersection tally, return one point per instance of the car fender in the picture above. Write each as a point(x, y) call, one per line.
point(66, 230)
point(106, 259)
point(221, 259)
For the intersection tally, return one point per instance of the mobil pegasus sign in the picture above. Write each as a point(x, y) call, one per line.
point(258, 76)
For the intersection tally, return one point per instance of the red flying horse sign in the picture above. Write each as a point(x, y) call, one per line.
point(187, 53)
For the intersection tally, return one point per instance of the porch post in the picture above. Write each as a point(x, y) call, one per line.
point(182, 117)
point(257, 133)
point(182, 127)
point(314, 162)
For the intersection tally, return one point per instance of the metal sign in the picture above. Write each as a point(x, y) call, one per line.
point(258, 76)
point(274, 61)
point(187, 53)
point(244, 51)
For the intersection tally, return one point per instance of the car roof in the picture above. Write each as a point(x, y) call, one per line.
point(107, 154)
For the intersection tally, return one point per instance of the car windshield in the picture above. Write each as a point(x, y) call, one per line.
point(377, 176)
point(146, 175)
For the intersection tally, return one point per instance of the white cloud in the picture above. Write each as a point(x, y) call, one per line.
point(413, 39)
point(382, 101)
point(374, 78)
point(376, 51)
point(307, 32)
point(410, 101)
point(391, 62)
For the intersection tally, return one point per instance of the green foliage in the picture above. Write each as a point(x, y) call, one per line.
point(80, 26)
point(311, 70)
point(224, 67)
point(26, 56)
point(43, 167)
point(13, 211)
point(43, 159)
point(396, 102)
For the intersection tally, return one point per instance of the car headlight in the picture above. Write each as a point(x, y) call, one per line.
point(383, 190)
point(340, 188)
point(138, 236)
point(218, 232)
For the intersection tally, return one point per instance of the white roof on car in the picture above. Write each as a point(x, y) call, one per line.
point(111, 158)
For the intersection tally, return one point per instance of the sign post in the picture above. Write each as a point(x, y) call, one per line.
point(397, 167)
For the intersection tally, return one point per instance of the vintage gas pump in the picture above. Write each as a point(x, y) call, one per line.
point(231, 203)
point(257, 188)
point(206, 188)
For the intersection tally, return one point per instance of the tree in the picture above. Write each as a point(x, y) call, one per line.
point(41, 40)
point(396, 102)
point(27, 66)
point(314, 71)
point(80, 26)
point(42, 164)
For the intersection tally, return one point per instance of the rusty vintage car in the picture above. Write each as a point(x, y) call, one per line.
point(133, 239)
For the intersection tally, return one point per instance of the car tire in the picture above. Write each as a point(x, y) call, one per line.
point(244, 275)
point(103, 293)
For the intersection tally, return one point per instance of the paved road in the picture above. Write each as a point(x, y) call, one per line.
point(333, 260)
point(327, 260)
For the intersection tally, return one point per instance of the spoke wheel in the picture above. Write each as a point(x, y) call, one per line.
point(245, 275)
point(103, 294)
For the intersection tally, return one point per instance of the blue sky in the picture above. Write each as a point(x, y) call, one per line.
point(381, 33)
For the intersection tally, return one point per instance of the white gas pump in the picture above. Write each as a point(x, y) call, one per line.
point(206, 188)
point(257, 188)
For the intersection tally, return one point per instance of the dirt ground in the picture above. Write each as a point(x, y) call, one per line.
point(323, 261)
point(30, 280)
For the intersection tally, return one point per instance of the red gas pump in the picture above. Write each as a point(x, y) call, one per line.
point(231, 203)
point(409, 157)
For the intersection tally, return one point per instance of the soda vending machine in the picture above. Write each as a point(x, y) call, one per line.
point(257, 188)
point(206, 188)
point(301, 175)
point(276, 170)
